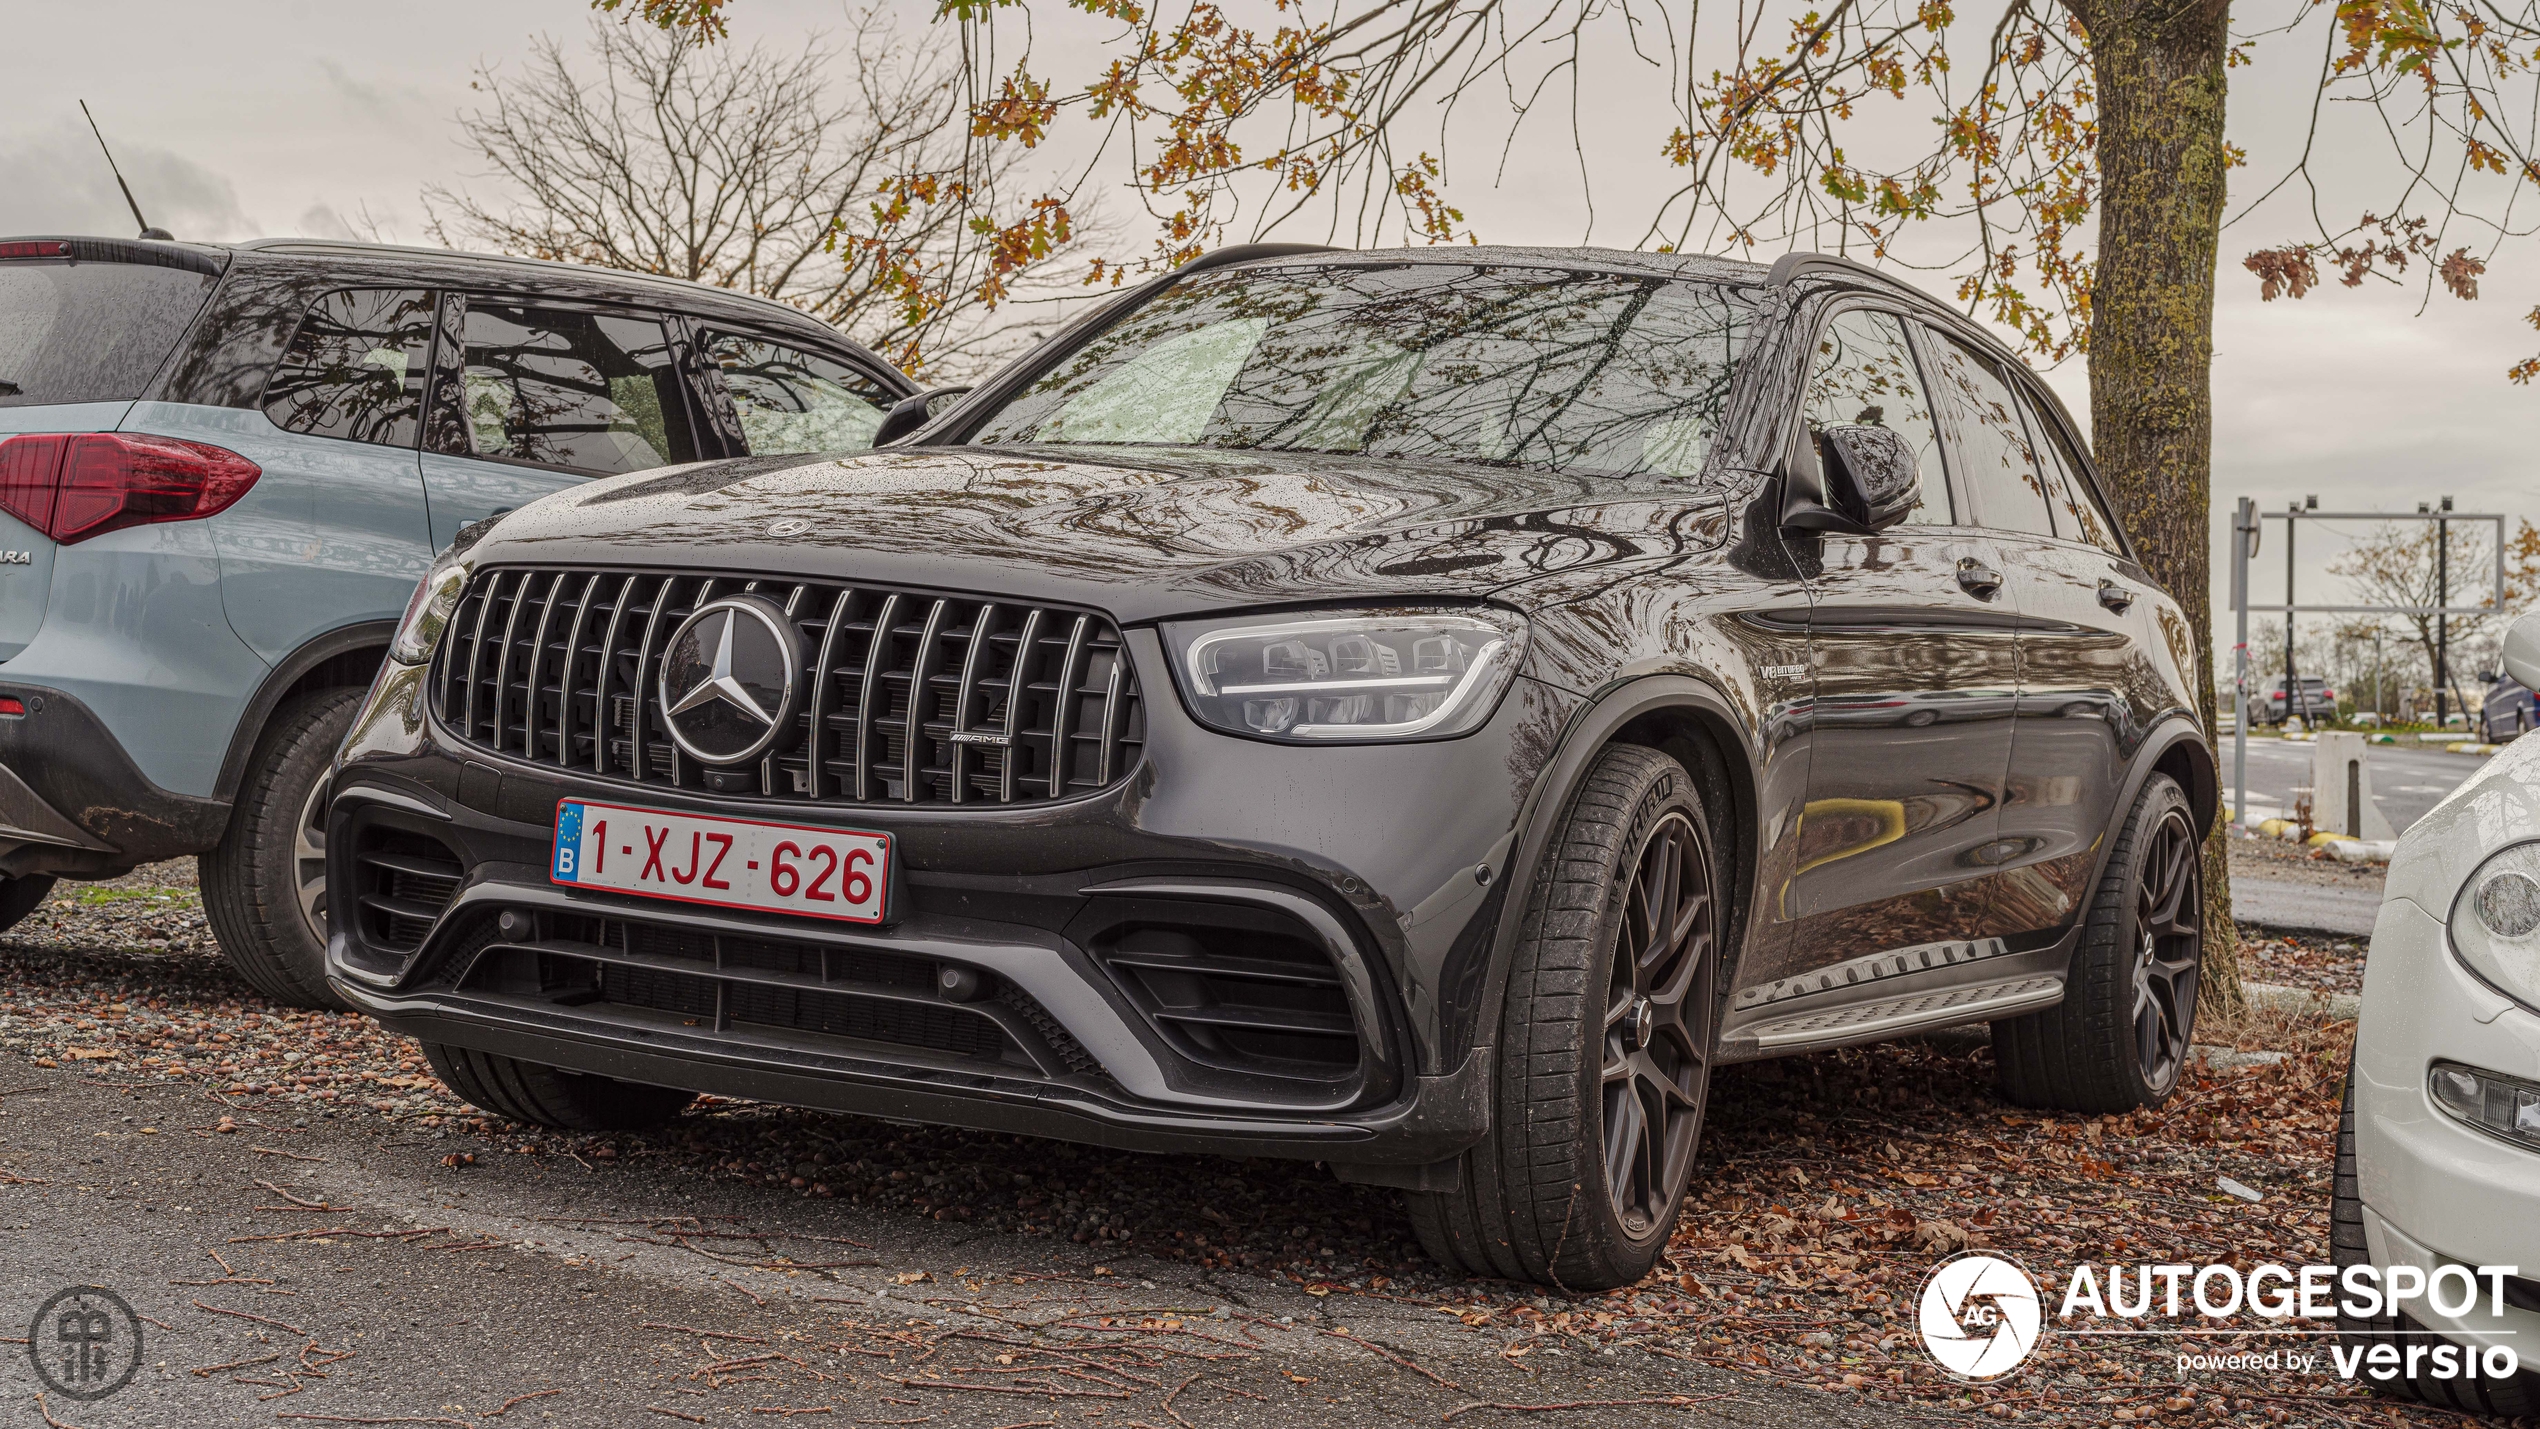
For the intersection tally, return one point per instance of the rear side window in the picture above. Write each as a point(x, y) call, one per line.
point(356, 367)
point(2078, 514)
point(2000, 467)
point(793, 401)
point(594, 392)
point(89, 332)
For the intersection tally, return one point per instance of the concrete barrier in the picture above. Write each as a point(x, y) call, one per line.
point(2341, 789)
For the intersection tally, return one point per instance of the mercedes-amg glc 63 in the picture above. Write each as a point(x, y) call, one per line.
point(1419, 711)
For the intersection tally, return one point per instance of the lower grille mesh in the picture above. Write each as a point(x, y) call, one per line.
point(759, 986)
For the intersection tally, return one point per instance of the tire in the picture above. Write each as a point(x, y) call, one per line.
point(19, 896)
point(1594, 1047)
point(2502, 1399)
point(537, 1095)
point(264, 885)
point(2120, 1038)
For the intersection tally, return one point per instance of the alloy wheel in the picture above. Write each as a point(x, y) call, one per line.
point(308, 860)
point(2169, 912)
point(1658, 1018)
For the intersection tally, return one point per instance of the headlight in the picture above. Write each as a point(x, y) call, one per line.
point(1359, 676)
point(2501, 1106)
point(428, 612)
point(2495, 922)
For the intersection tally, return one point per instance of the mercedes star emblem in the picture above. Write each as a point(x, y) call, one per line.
point(728, 680)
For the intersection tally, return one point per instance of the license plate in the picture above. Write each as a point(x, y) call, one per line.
point(727, 863)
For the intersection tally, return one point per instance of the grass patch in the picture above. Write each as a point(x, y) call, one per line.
point(95, 896)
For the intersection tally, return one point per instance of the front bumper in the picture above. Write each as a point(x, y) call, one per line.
point(1365, 854)
point(2436, 1192)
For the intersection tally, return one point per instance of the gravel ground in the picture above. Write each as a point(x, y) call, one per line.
point(1827, 1188)
point(2281, 862)
point(2326, 965)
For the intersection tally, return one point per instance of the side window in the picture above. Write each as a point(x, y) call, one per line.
point(590, 391)
point(2000, 468)
point(1863, 375)
point(2078, 514)
point(795, 401)
point(356, 368)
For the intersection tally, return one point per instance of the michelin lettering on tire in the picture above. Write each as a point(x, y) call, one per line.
point(1979, 1316)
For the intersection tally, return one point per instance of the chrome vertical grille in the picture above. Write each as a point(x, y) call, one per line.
point(909, 697)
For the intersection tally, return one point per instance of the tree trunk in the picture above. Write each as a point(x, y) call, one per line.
point(2159, 66)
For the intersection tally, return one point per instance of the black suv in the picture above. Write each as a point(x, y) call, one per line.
point(1417, 710)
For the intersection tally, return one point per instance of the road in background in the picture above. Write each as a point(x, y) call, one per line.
point(2405, 782)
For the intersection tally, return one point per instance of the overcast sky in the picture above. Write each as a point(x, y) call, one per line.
point(253, 118)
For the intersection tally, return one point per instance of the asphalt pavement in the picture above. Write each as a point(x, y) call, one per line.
point(2405, 782)
point(345, 1272)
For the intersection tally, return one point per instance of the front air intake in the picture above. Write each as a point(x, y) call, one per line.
point(1235, 987)
point(402, 882)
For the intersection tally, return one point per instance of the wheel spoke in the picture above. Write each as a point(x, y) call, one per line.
point(1623, 1118)
point(1688, 919)
point(1653, 1149)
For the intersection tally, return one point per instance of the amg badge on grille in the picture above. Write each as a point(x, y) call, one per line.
point(728, 680)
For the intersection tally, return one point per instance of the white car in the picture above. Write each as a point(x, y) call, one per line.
point(2438, 1155)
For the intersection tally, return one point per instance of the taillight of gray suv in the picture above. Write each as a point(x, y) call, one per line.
point(222, 470)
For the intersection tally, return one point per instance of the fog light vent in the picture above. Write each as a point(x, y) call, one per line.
point(402, 881)
point(1239, 989)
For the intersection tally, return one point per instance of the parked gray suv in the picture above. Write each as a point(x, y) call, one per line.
point(222, 470)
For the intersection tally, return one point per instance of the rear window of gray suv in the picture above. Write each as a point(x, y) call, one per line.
point(90, 332)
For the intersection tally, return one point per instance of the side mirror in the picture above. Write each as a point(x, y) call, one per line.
point(1869, 478)
point(2522, 651)
point(911, 413)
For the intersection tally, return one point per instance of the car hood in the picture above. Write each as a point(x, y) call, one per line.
point(1141, 534)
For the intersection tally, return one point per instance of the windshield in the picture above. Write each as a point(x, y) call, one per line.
point(1575, 372)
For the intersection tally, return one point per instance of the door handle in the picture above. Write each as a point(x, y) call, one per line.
point(2115, 596)
point(1978, 579)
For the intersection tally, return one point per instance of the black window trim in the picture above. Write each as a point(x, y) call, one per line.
point(449, 344)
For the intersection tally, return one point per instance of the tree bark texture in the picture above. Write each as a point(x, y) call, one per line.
point(2162, 163)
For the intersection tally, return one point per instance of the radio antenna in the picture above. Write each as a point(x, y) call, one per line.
point(146, 230)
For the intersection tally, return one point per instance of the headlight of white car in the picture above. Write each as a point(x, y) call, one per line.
point(1348, 677)
point(2495, 922)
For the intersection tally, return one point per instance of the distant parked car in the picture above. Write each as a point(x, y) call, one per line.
point(2507, 711)
point(222, 470)
point(2312, 698)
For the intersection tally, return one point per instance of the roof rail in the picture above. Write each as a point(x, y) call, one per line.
point(1247, 252)
point(1791, 266)
point(509, 260)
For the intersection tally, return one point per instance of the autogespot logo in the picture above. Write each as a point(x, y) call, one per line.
point(1980, 1316)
